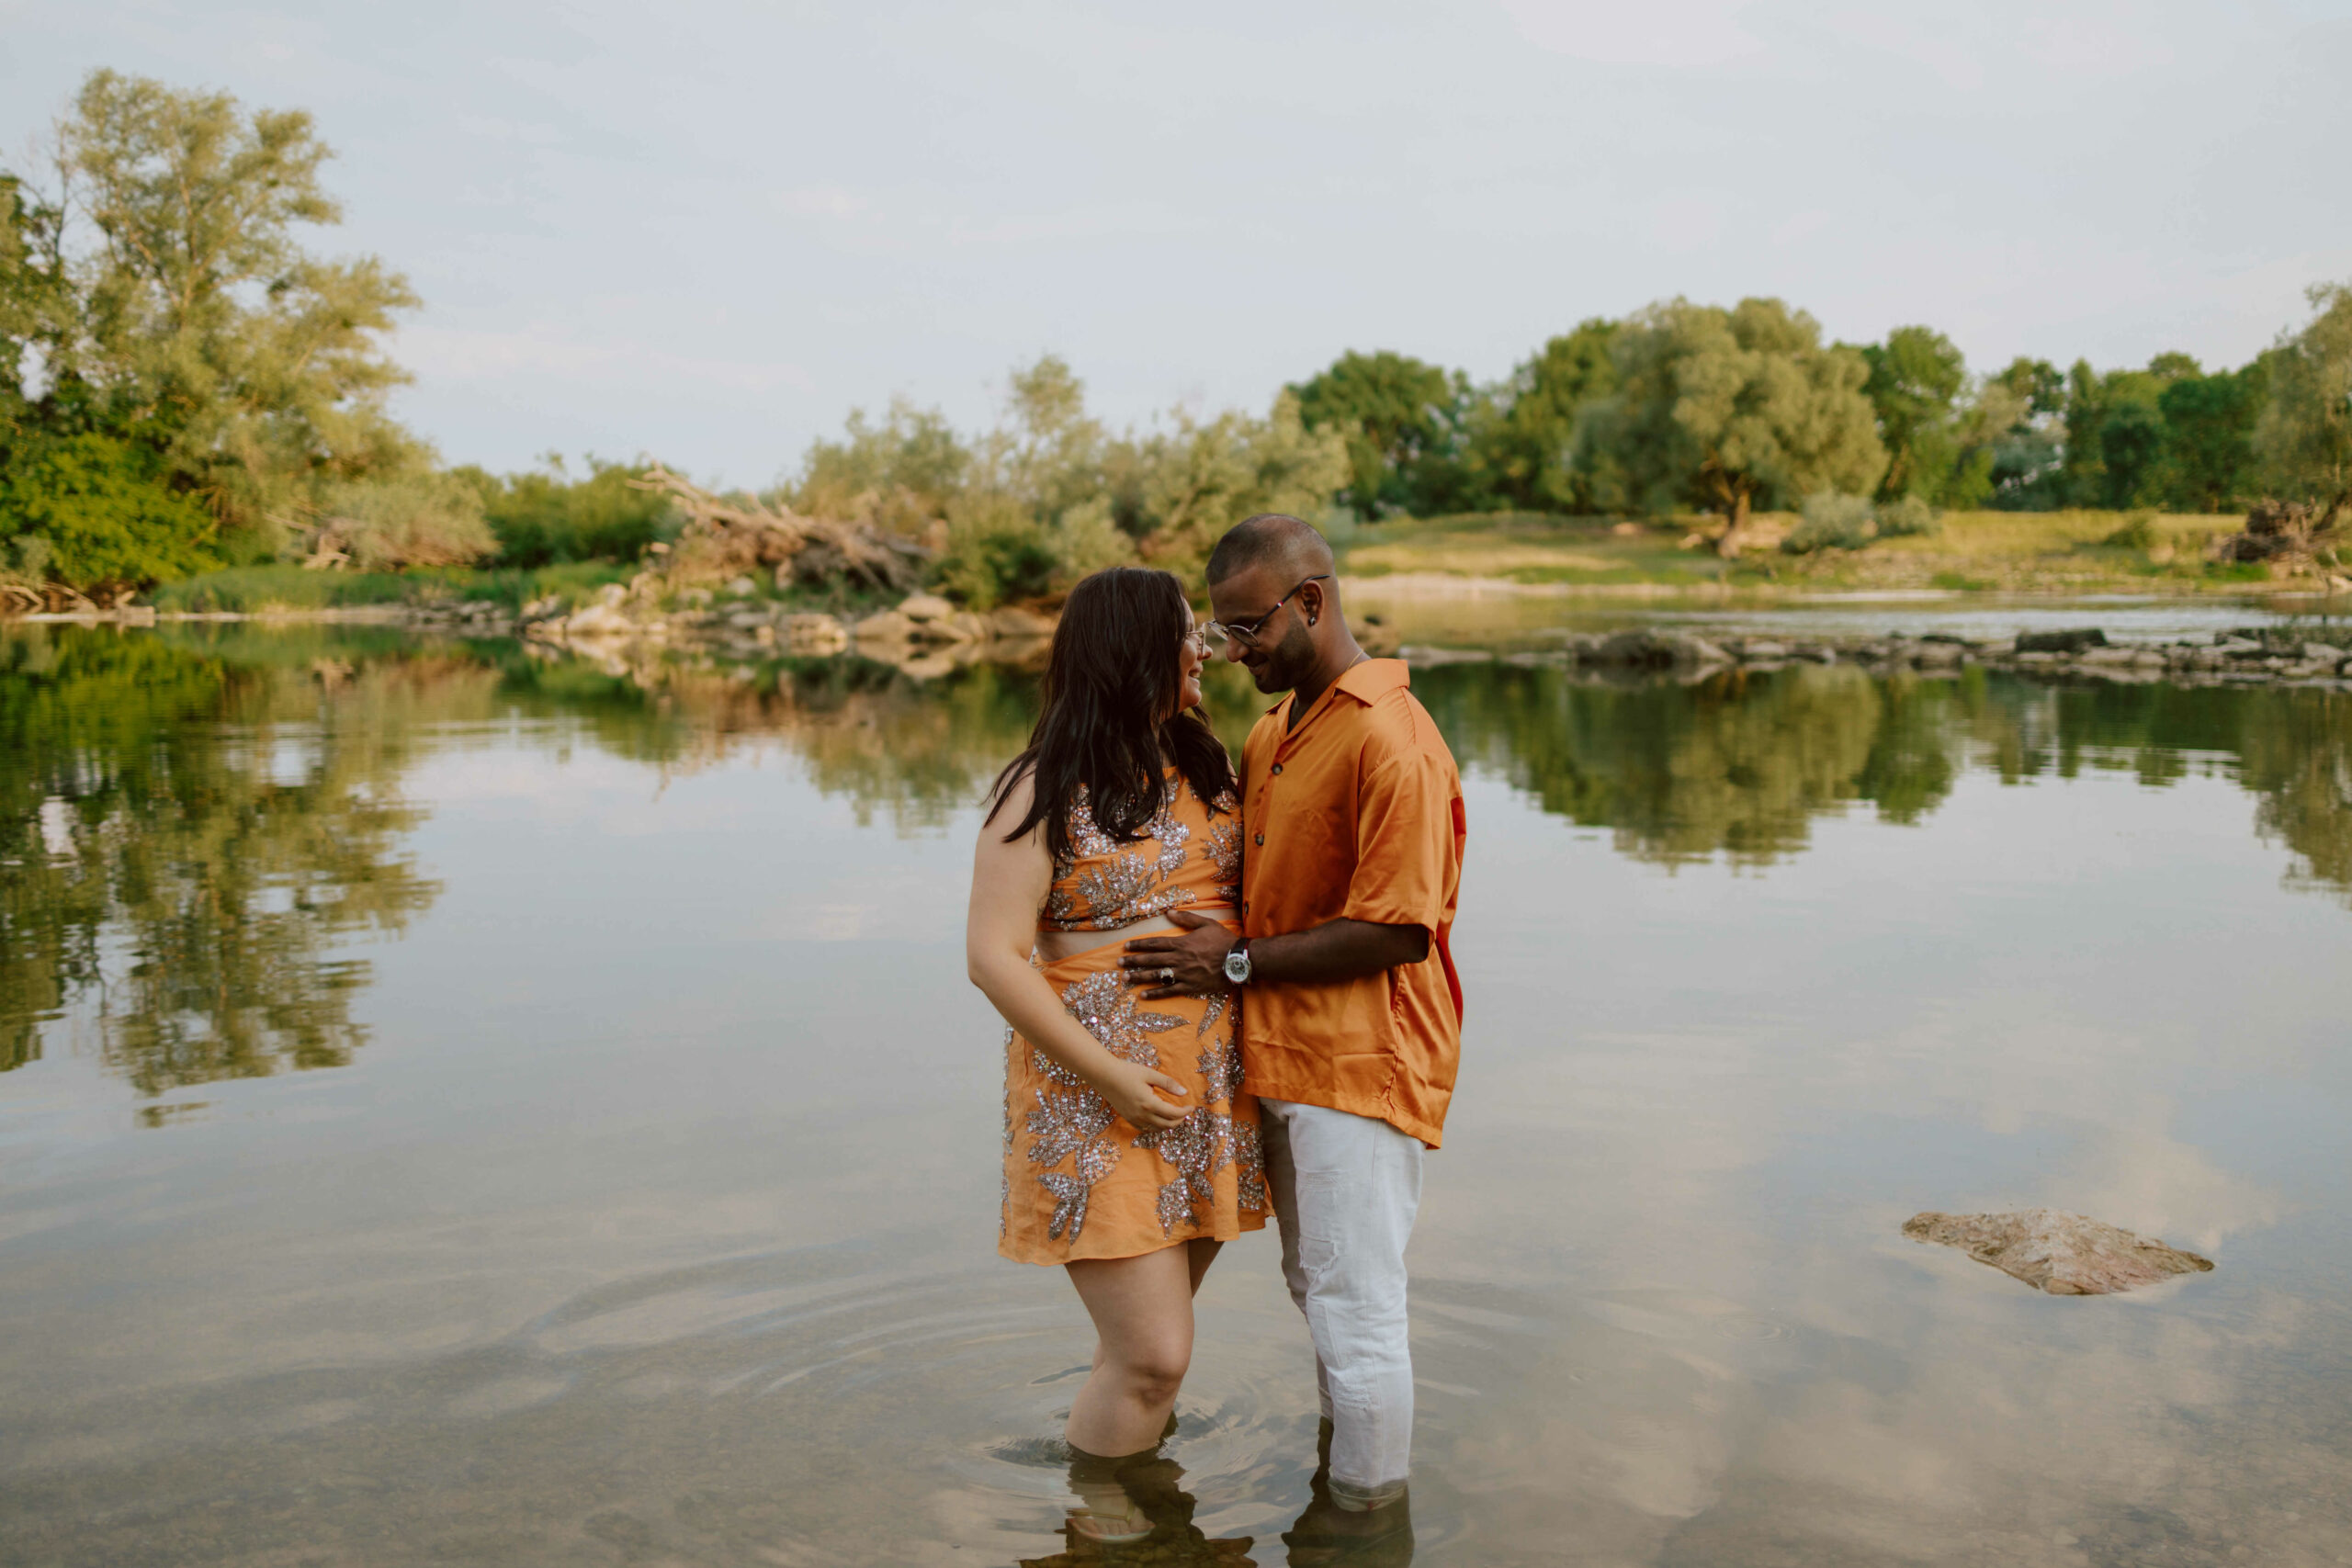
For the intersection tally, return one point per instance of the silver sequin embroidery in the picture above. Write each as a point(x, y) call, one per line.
point(1129, 885)
point(1250, 1167)
point(1198, 1147)
point(1103, 1003)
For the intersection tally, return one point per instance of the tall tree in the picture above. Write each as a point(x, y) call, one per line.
point(2208, 435)
point(2027, 448)
point(188, 330)
point(1916, 378)
point(1526, 453)
point(1725, 408)
point(1402, 420)
point(2303, 440)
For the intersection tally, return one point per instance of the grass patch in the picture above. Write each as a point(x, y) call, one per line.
point(255, 589)
point(2013, 537)
point(1519, 546)
point(1960, 582)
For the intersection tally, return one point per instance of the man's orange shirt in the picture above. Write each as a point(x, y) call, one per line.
point(1356, 813)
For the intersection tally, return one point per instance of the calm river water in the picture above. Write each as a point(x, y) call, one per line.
point(462, 1108)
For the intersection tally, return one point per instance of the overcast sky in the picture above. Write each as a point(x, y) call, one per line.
point(705, 230)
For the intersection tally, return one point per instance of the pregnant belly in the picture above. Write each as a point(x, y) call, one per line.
point(1055, 945)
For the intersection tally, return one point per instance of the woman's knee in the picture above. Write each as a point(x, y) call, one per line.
point(1155, 1369)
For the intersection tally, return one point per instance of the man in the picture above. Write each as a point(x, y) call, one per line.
point(1350, 1010)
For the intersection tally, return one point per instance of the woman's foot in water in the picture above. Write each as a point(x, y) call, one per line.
point(1114, 1494)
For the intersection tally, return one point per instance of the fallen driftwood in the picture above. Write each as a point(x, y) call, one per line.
point(2058, 1253)
point(722, 538)
point(2289, 532)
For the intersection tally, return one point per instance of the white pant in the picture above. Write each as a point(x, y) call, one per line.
point(1346, 1188)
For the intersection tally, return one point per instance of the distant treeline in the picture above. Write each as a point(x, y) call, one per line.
point(1693, 406)
point(184, 386)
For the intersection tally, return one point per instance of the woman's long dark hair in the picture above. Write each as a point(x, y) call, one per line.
point(1110, 721)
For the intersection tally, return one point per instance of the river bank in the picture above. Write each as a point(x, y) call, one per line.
point(2272, 655)
point(925, 637)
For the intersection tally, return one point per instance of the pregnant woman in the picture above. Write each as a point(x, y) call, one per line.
point(1131, 1152)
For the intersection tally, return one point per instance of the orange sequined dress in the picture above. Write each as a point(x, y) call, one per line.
point(1079, 1181)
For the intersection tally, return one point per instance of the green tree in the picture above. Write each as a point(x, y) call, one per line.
point(1402, 420)
point(2303, 439)
point(2020, 413)
point(177, 312)
point(1915, 379)
point(1049, 495)
point(1526, 451)
point(2115, 441)
point(2208, 435)
point(897, 473)
point(1727, 408)
point(1015, 528)
point(1197, 480)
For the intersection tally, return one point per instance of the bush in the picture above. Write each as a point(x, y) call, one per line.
point(100, 510)
point(1906, 517)
point(547, 516)
point(2138, 533)
point(388, 525)
point(997, 551)
point(1832, 522)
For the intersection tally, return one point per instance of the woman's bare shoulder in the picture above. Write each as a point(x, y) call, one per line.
point(1009, 807)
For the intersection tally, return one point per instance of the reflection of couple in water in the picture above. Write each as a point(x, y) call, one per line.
point(1227, 997)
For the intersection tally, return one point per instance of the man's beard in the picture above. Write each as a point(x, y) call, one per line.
point(1286, 662)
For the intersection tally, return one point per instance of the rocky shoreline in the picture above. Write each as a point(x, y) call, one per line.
point(2247, 656)
point(925, 634)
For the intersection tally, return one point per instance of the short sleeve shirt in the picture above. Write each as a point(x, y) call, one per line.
point(1355, 814)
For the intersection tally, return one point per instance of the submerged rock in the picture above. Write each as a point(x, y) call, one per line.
point(2053, 1251)
point(1645, 650)
point(2070, 642)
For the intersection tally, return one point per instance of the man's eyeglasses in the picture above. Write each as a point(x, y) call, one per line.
point(1247, 634)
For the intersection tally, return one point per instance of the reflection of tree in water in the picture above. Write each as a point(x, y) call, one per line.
point(1739, 765)
point(2292, 747)
point(185, 837)
point(190, 823)
point(919, 750)
point(1735, 764)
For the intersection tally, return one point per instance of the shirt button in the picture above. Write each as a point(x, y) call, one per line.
point(1260, 838)
point(1278, 767)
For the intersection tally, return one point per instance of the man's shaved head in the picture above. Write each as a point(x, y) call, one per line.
point(1289, 547)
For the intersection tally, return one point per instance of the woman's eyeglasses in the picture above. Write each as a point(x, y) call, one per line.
point(1247, 634)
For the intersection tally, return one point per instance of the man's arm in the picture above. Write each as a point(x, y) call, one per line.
point(1334, 951)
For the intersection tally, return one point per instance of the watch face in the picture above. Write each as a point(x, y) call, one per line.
point(1236, 967)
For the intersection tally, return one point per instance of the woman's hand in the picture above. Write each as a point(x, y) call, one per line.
point(1134, 1091)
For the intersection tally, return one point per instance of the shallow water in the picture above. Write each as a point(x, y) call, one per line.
point(468, 1109)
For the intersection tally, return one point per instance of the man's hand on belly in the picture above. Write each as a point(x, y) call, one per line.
point(1190, 962)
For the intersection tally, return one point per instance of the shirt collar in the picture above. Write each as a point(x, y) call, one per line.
point(1374, 679)
point(1367, 683)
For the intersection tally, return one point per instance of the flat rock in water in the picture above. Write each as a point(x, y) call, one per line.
point(2063, 1254)
point(2071, 641)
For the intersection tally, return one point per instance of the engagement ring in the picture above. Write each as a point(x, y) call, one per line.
point(1167, 975)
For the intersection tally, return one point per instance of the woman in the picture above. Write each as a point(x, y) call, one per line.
point(1130, 1150)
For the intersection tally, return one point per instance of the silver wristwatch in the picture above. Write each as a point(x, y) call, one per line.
point(1236, 962)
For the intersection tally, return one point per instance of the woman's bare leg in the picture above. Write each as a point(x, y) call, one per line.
point(1142, 1309)
point(1199, 1252)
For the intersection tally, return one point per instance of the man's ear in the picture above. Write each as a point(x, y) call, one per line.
point(1311, 601)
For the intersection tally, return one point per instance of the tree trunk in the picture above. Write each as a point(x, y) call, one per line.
point(1735, 531)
